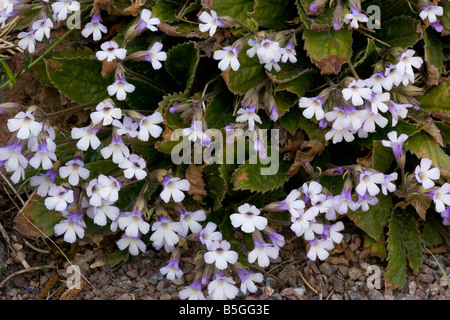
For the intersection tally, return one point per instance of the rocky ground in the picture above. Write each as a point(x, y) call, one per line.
point(345, 275)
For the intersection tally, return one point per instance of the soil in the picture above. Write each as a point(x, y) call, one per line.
point(37, 269)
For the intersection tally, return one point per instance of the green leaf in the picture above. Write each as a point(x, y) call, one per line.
point(424, 146)
point(9, 73)
point(248, 176)
point(404, 245)
point(382, 157)
point(289, 120)
point(400, 31)
point(215, 184)
point(35, 216)
point(144, 96)
point(377, 248)
point(298, 85)
point(436, 100)
point(181, 63)
point(117, 257)
point(99, 167)
point(320, 22)
point(165, 11)
point(219, 112)
point(431, 234)
point(78, 78)
point(433, 51)
point(328, 49)
point(375, 219)
point(273, 14)
point(445, 18)
point(249, 74)
point(237, 9)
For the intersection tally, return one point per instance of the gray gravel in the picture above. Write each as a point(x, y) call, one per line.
point(293, 277)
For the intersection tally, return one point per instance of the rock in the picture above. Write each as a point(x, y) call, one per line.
point(355, 296)
point(343, 269)
point(412, 287)
point(425, 278)
point(289, 275)
point(287, 292)
point(434, 289)
point(268, 290)
point(299, 292)
point(375, 295)
point(443, 282)
point(354, 273)
point(338, 283)
point(132, 274)
point(276, 296)
point(124, 296)
point(270, 282)
point(325, 268)
point(431, 263)
point(165, 296)
point(336, 297)
point(155, 278)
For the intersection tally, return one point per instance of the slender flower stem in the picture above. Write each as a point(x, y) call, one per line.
point(34, 62)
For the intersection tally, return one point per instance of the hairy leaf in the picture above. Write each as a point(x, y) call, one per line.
point(328, 49)
point(400, 31)
point(181, 63)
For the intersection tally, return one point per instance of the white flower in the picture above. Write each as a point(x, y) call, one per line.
point(334, 232)
point(120, 88)
point(61, 8)
point(378, 81)
point(387, 185)
point(248, 114)
point(377, 102)
point(165, 234)
point(405, 64)
point(208, 234)
point(248, 219)
point(155, 55)
point(108, 188)
point(74, 169)
point(371, 120)
point(72, 227)
point(339, 134)
point(313, 107)
point(148, 126)
point(292, 203)
point(58, 198)
point(47, 134)
point(431, 12)
point(117, 149)
point(394, 76)
point(128, 127)
point(42, 156)
point(147, 21)
point(42, 27)
point(171, 270)
point(319, 249)
point(111, 51)
point(44, 182)
point(24, 124)
point(356, 91)
point(228, 56)
point(210, 22)
point(134, 245)
point(355, 17)
point(134, 166)
point(425, 175)
point(192, 292)
point(189, 221)
point(95, 28)
point(222, 288)
point(12, 156)
point(87, 136)
point(173, 188)
point(220, 254)
point(312, 189)
point(395, 143)
point(106, 112)
point(262, 252)
point(367, 183)
point(268, 51)
point(99, 214)
point(441, 197)
point(133, 224)
point(288, 53)
point(248, 280)
point(305, 224)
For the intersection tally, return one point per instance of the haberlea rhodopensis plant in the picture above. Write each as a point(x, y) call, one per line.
point(333, 111)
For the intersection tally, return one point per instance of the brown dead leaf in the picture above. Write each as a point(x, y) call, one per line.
point(135, 7)
point(108, 67)
point(430, 127)
point(242, 176)
point(194, 174)
point(330, 65)
point(366, 161)
point(307, 153)
point(337, 260)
